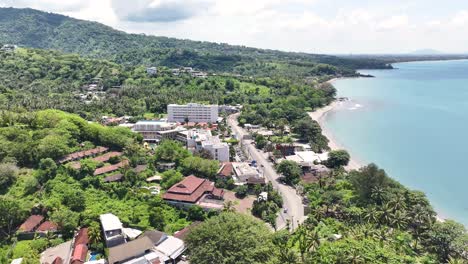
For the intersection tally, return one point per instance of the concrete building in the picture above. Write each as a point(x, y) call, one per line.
point(152, 71)
point(154, 131)
point(201, 139)
point(112, 229)
point(8, 48)
point(244, 173)
point(192, 113)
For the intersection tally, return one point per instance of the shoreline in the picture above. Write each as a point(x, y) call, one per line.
point(320, 115)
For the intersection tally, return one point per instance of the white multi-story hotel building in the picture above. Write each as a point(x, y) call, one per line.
point(154, 131)
point(192, 113)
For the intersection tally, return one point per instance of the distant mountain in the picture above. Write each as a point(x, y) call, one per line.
point(426, 52)
point(37, 29)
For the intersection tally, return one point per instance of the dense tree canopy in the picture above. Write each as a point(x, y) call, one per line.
point(230, 238)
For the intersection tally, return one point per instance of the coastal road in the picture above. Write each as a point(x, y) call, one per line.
point(292, 202)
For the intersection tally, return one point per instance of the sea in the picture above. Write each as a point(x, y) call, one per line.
point(411, 121)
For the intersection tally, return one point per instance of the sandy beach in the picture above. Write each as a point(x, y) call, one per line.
point(319, 115)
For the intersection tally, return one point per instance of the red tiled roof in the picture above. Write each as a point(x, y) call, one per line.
point(182, 234)
point(57, 260)
point(31, 223)
point(47, 226)
point(218, 192)
point(156, 262)
point(187, 185)
point(190, 190)
point(226, 169)
point(110, 168)
point(79, 253)
point(82, 237)
point(140, 168)
point(83, 154)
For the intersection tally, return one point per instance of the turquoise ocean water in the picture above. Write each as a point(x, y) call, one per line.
point(412, 122)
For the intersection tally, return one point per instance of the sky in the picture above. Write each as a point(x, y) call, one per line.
point(314, 26)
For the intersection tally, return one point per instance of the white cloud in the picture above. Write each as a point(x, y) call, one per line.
point(393, 22)
point(339, 26)
point(460, 19)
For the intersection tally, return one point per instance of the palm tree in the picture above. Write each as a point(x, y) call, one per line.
point(287, 255)
point(354, 257)
point(386, 214)
point(49, 236)
point(398, 203)
point(378, 194)
point(399, 219)
point(307, 239)
point(372, 215)
point(94, 234)
point(230, 206)
point(455, 261)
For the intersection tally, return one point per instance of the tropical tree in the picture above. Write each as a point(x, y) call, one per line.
point(230, 238)
point(94, 233)
point(337, 158)
point(290, 170)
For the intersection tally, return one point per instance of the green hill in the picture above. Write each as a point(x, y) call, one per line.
point(37, 29)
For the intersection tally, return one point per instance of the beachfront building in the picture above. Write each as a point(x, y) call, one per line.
point(202, 139)
point(154, 131)
point(192, 113)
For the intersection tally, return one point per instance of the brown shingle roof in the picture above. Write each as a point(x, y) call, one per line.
point(107, 156)
point(114, 177)
point(83, 154)
point(47, 226)
point(129, 250)
point(110, 168)
point(31, 223)
point(82, 237)
point(140, 168)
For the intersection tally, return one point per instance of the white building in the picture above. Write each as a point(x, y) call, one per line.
point(198, 139)
point(153, 131)
point(244, 173)
point(112, 229)
point(192, 113)
point(8, 48)
point(152, 71)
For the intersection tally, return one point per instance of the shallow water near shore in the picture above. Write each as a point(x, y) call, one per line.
point(412, 122)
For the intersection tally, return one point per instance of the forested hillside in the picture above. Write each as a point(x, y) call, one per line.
point(32, 28)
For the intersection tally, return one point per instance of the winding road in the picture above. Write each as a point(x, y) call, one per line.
point(293, 209)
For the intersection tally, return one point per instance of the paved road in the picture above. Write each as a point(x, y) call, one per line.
point(291, 200)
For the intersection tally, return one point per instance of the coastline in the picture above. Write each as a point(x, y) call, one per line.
point(320, 116)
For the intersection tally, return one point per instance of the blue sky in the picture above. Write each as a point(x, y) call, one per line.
point(319, 26)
